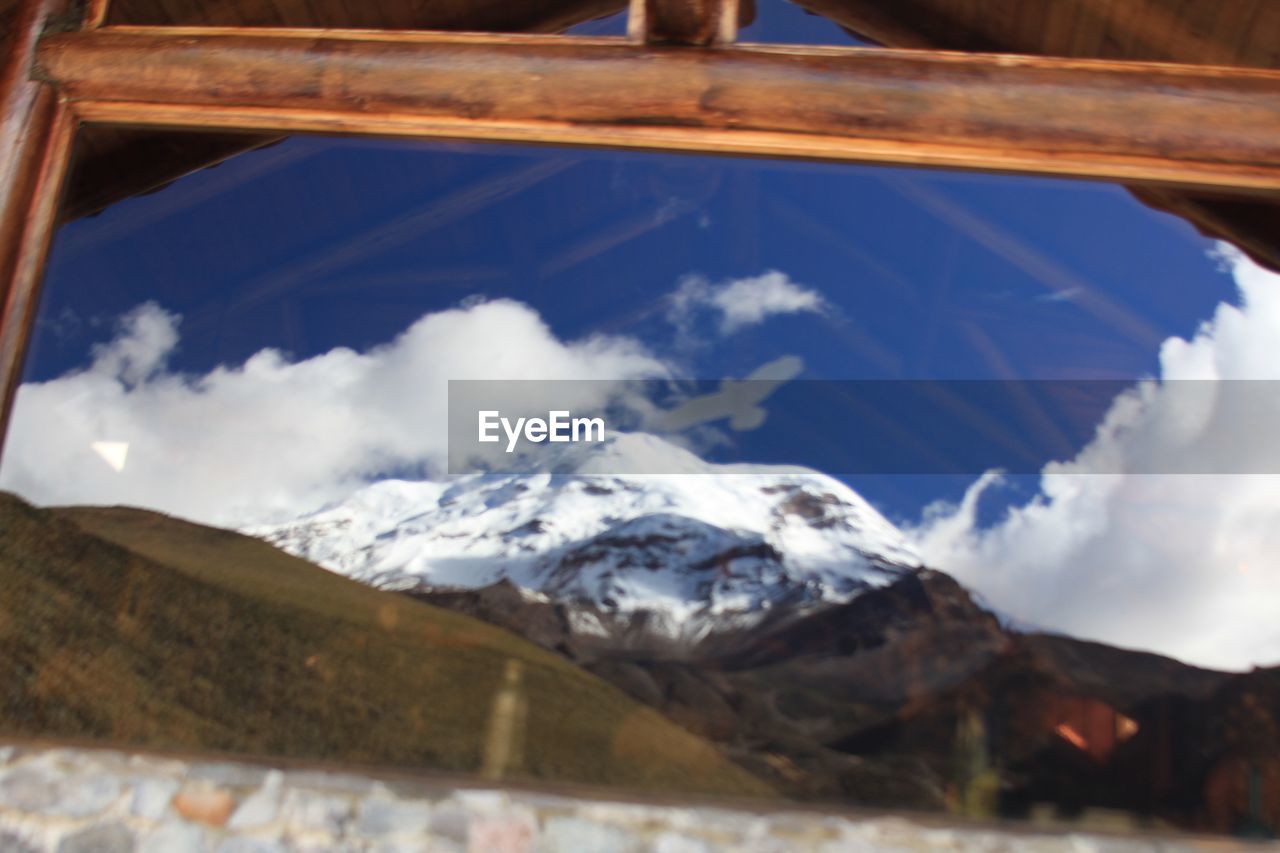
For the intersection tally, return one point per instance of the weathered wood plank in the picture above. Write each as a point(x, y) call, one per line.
point(1144, 123)
point(18, 101)
point(36, 130)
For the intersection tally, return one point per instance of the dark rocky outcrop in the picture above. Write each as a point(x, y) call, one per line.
point(914, 695)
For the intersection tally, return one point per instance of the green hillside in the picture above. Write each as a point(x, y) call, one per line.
point(134, 627)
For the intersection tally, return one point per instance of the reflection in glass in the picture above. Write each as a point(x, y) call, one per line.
point(231, 522)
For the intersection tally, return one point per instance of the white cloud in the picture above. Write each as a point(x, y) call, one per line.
point(740, 303)
point(274, 437)
point(1183, 564)
point(146, 337)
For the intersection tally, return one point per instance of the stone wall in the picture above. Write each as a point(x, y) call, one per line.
point(106, 801)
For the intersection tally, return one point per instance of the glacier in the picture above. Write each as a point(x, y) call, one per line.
point(713, 546)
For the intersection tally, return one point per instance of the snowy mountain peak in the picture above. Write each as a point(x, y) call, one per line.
point(714, 543)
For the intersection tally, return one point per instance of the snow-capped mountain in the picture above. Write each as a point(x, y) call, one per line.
point(717, 545)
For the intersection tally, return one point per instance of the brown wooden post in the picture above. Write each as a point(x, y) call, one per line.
point(95, 13)
point(688, 22)
point(36, 130)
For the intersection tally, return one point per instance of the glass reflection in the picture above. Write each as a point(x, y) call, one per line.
point(233, 523)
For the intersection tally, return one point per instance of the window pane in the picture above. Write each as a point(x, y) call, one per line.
point(238, 522)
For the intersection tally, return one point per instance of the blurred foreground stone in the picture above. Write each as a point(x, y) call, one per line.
point(68, 800)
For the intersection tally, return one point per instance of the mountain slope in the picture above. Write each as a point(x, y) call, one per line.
point(913, 695)
point(132, 626)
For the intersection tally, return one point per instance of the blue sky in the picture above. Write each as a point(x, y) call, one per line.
point(317, 243)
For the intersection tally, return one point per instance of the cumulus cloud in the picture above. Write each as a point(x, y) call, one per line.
point(1186, 564)
point(274, 437)
point(740, 303)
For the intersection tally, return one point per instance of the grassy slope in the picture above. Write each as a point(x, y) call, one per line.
point(128, 625)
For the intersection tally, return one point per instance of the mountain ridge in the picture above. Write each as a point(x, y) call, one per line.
point(708, 550)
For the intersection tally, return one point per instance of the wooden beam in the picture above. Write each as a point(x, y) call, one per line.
point(684, 22)
point(36, 131)
point(1139, 123)
point(113, 163)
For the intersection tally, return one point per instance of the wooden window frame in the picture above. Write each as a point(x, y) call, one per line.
point(676, 85)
